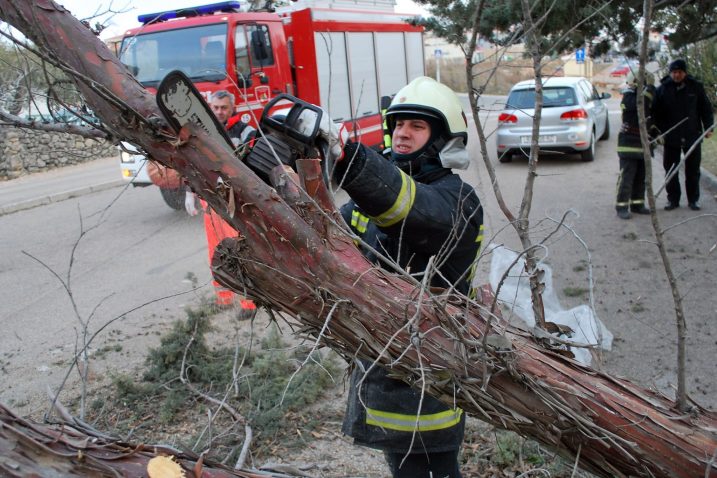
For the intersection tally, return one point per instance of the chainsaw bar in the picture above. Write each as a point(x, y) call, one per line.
point(181, 103)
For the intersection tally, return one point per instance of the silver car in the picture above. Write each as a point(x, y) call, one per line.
point(574, 115)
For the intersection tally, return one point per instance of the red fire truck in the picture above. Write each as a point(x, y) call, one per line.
point(343, 60)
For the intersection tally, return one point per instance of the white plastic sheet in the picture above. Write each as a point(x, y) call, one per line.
point(515, 295)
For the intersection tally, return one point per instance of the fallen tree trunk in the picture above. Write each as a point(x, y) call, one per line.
point(32, 449)
point(295, 256)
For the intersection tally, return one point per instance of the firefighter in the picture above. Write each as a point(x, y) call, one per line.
point(216, 229)
point(412, 208)
point(222, 104)
point(631, 181)
point(683, 112)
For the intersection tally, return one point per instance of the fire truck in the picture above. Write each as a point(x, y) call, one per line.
point(343, 60)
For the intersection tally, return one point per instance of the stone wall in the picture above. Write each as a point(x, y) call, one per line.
point(26, 151)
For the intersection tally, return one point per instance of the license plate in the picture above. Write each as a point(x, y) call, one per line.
point(542, 139)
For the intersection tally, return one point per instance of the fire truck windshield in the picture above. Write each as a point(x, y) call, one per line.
point(200, 52)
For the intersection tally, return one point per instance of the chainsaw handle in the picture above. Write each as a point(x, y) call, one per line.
point(290, 126)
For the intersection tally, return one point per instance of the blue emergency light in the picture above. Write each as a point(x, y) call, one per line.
point(224, 7)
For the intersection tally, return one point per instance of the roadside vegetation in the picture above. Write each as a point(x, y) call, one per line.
point(287, 405)
point(201, 391)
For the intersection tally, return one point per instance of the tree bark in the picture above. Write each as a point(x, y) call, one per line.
point(69, 450)
point(294, 255)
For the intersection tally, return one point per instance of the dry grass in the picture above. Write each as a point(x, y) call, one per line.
point(492, 80)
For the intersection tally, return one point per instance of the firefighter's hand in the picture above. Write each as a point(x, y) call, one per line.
point(190, 203)
point(335, 134)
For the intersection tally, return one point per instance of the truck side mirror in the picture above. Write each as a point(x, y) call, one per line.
point(258, 45)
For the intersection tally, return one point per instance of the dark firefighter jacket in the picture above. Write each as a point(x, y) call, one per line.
point(676, 102)
point(629, 145)
point(408, 219)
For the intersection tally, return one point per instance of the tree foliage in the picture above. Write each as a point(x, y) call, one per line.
point(568, 23)
point(701, 59)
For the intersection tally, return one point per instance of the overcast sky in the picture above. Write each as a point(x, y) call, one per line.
point(119, 22)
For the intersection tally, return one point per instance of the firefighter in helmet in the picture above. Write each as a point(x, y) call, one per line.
point(411, 208)
point(631, 181)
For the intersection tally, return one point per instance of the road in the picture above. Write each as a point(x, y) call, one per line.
point(131, 249)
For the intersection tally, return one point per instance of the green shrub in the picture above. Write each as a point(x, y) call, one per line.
point(202, 365)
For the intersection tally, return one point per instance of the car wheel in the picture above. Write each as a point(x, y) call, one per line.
point(589, 154)
point(505, 157)
point(606, 133)
point(173, 197)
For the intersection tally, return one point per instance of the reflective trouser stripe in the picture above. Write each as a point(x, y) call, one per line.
point(620, 204)
point(359, 221)
point(409, 423)
point(628, 149)
point(474, 266)
point(403, 204)
point(637, 201)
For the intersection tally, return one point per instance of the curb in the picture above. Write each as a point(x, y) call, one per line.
point(57, 197)
point(710, 178)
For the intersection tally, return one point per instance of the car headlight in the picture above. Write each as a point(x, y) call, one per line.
point(126, 157)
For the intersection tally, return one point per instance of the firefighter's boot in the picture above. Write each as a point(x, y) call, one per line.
point(623, 213)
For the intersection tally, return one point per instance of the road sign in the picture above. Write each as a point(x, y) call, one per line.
point(580, 55)
point(437, 53)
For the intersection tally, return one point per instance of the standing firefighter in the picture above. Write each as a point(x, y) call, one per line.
point(631, 182)
point(413, 208)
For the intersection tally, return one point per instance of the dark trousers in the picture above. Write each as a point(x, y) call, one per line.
point(670, 160)
point(631, 184)
point(424, 465)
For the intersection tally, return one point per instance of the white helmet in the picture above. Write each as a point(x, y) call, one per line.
point(424, 96)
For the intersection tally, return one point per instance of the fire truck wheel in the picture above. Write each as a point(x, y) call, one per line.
point(173, 197)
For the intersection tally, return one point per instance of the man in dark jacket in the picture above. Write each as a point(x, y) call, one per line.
point(683, 112)
point(631, 182)
point(412, 208)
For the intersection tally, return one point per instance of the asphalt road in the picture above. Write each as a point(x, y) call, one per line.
point(96, 256)
point(118, 248)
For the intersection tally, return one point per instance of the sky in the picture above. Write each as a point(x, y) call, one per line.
point(120, 22)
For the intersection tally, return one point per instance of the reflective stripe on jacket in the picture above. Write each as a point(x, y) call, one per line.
point(629, 144)
point(408, 423)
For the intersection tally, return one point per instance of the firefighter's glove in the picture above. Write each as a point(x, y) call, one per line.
point(333, 133)
point(190, 203)
point(268, 152)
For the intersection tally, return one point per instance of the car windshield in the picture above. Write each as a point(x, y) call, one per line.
point(552, 97)
point(199, 52)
